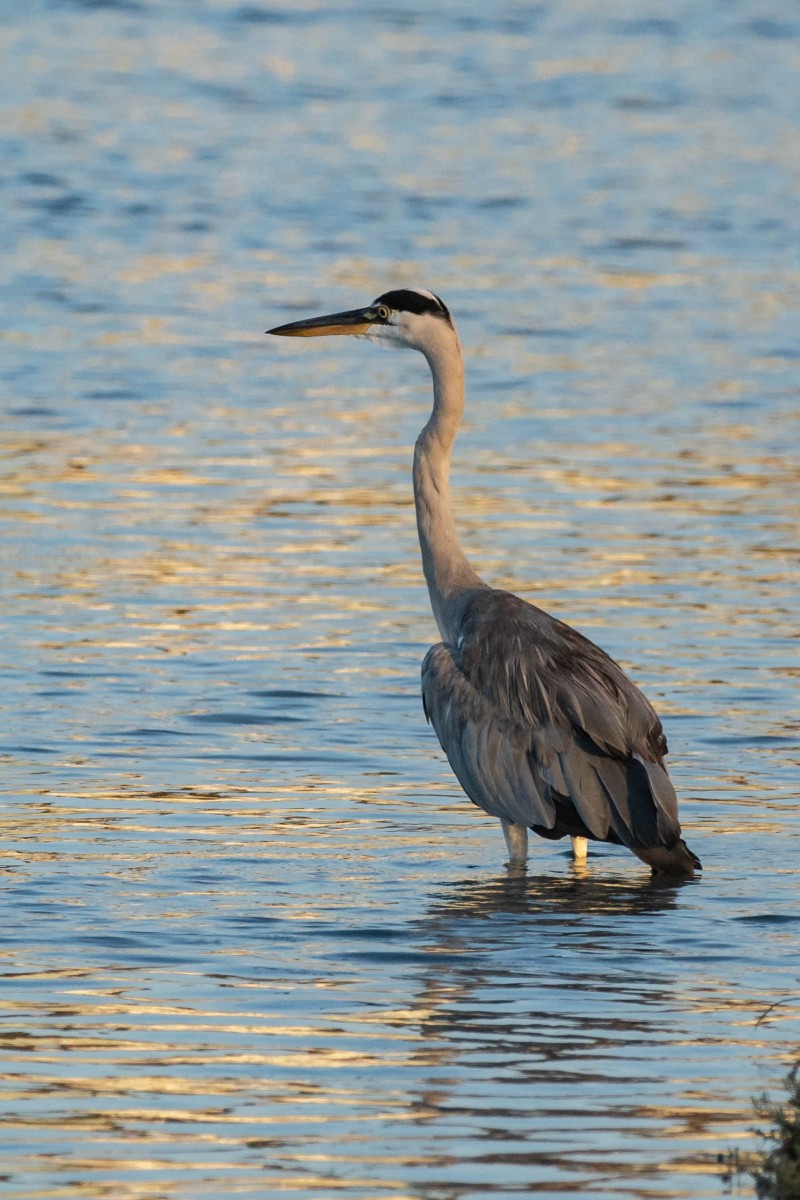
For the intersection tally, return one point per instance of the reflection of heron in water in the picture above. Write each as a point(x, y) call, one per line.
point(541, 727)
point(573, 897)
point(542, 1050)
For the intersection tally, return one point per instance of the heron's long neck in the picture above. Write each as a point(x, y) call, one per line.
point(447, 572)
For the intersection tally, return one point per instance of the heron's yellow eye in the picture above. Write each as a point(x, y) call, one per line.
point(384, 313)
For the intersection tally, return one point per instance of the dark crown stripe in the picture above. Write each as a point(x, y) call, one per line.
point(407, 300)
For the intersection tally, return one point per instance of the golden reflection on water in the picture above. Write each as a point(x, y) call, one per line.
point(257, 942)
point(467, 1017)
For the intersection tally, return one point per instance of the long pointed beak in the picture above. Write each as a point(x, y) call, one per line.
point(358, 320)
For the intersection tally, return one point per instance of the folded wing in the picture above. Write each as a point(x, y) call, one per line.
point(542, 728)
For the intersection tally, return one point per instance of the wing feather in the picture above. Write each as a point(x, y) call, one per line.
point(488, 756)
point(542, 728)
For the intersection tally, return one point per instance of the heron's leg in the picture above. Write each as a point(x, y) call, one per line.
point(516, 839)
point(580, 847)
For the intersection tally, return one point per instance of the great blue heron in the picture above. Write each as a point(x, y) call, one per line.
point(540, 726)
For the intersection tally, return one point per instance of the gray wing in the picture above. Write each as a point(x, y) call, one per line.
point(542, 728)
point(488, 754)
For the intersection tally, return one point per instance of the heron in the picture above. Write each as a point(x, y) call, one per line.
point(542, 728)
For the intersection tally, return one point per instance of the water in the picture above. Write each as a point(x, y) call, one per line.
point(255, 941)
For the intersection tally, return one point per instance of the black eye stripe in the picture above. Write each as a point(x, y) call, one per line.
point(406, 300)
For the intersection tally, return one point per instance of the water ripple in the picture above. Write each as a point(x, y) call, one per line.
point(254, 939)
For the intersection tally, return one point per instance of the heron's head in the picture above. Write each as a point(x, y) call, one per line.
point(409, 317)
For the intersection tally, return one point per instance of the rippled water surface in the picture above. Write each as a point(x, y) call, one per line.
point(255, 941)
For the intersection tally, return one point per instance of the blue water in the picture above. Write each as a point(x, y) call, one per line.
point(255, 941)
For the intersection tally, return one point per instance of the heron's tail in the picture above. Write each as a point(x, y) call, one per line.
point(677, 860)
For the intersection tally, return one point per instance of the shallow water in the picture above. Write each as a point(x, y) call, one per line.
point(255, 940)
